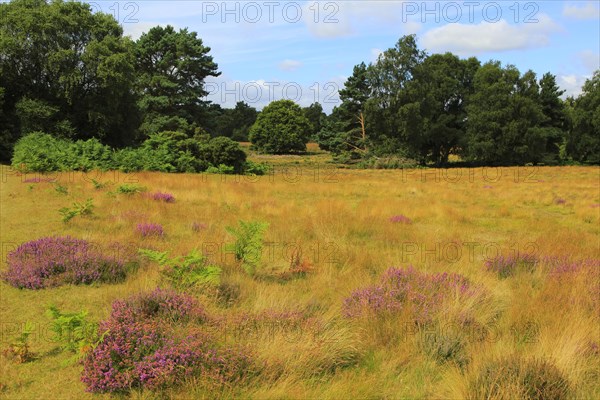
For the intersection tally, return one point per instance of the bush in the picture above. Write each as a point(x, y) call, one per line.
point(54, 261)
point(142, 346)
point(408, 289)
point(515, 377)
point(222, 150)
point(221, 169)
point(39, 152)
point(252, 168)
point(150, 229)
point(280, 128)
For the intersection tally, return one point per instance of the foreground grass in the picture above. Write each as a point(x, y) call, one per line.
point(340, 221)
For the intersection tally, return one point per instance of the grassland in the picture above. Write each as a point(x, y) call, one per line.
point(340, 219)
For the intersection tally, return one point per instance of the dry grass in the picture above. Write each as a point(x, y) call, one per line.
point(340, 221)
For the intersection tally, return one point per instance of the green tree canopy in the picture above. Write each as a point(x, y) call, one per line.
point(280, 128)
point(583, 141)
point(66, 70)
point(172, 66)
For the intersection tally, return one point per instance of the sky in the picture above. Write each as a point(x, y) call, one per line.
point(305, 50)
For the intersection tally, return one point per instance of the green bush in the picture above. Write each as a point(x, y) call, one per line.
point(72, 331)
point(222, 150)
point(164, 151)
point(280, 128)
point(39, 152)
point(252, 168)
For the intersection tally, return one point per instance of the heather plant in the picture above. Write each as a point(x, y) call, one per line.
point(507, 266)
point(150, 229)
point(77, 209)
point(72, 331)
point(191, 270)
point(406, 289)
point(19, 347)
point(248, 243)
point(143, 346)
point(164, 197)
point(401, 219)
point(516, 377)
point(53, 261)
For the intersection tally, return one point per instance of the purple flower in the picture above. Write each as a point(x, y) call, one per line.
point(401, 219)
point(408, 289)
point(160, 196)
point(150, 229)
point(53, 261)
point(560, 201)
point(506, 266)
point(148, 342)
point(197, 226)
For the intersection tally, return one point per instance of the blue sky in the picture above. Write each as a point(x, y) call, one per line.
point(304, 50)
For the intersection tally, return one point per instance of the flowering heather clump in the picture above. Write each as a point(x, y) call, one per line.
point(406, 288)
point(53, 261)
point(142, 347)
point(160, 303)
point(506, 266)
point(560, 201)
point(160, 196)
point(595, 205)
point(146, 229)
point(401, 219)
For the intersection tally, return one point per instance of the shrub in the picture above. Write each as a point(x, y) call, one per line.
point(42, 152)
point(515, 377)
point(187, 271)
point(222, 150)
point(408, 289)
point(221, 169)
point(507, 266)
point(142, 347)
point(248, 243)
point(39, 152)
point(256, 169)
point(150, 229)
point(160, 196)
point(53, 261)
point(280, 128)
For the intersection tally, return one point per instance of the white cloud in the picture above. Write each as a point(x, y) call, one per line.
point(290, 65)
point(478, 38)
point(587, 11)
point(571, 84)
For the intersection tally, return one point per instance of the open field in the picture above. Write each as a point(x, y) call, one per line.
point(340, 222)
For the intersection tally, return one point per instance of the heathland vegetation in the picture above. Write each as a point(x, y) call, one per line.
point(275, 275)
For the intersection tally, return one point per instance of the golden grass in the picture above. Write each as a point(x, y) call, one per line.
point(340, 221)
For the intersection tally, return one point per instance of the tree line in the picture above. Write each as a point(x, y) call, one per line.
point(71, 74)
point(427, 107)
